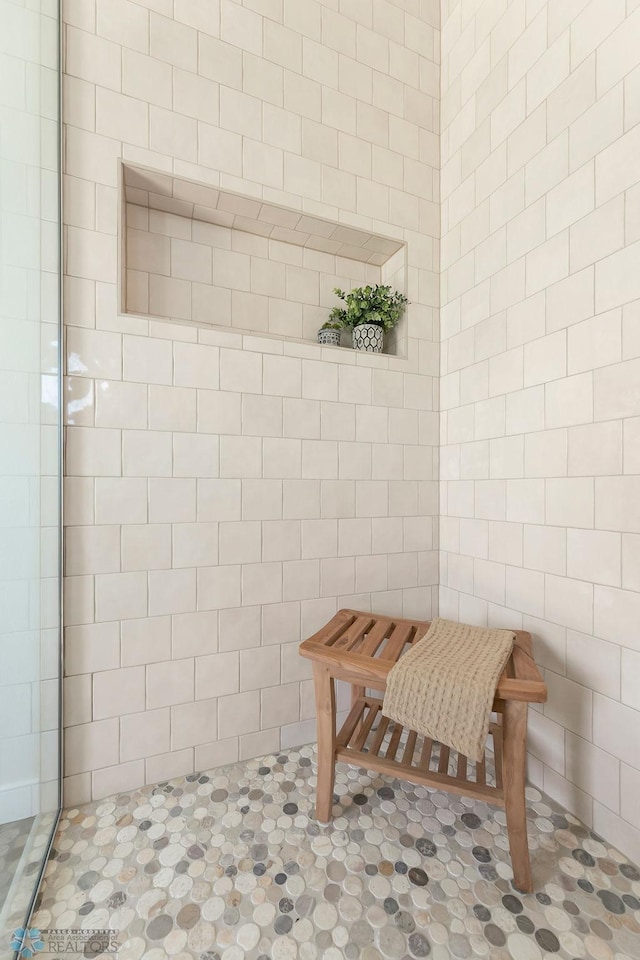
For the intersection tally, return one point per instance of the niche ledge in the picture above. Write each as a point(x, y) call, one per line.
point(197, 254)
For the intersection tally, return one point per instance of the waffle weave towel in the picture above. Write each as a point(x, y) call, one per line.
point(444, 686)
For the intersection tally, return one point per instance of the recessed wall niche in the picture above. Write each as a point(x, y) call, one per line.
point(198, 254)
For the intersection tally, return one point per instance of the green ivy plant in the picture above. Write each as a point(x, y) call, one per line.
point(332, 325)
point(378, 304)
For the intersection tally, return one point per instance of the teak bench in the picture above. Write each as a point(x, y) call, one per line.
point(361, 648)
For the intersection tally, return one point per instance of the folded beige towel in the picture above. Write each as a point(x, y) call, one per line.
point(444, 686)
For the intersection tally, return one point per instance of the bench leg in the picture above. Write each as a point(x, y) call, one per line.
point(326, 730)
point(514, 742)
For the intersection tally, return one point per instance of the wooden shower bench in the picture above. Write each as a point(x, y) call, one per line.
point(361, 648)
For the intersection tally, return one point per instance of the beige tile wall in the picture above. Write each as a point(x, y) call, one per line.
point(225, 494)
point(540, 426)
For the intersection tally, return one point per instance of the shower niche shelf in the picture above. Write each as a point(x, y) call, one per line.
point(195, 253)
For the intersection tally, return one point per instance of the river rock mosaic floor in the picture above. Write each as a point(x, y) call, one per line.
point(230, 864)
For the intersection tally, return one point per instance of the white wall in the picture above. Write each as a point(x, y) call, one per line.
point(540, 367)
point(225, 494)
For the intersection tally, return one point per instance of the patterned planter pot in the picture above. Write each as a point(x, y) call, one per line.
point(329, 338)
point(369, 337)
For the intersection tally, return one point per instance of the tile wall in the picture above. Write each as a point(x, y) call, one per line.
point(540, 369)
point(226, 493)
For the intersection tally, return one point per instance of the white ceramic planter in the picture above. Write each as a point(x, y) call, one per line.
point(369, 337)
point(329, 337)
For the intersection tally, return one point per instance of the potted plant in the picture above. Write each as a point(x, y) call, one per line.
point(329, 333)
point(370, 312)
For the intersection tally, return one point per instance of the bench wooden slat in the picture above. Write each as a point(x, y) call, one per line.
point(481, 771)
point(407, 756)
point(396, 643)
point(379, 735)
point(351, 722)
point(461, 769)
point(496, 733)
point(392, 749)
point(365, 729)
point(327, 634)
point(425, 756)
point(443, 762)
point(353, 633)
point(375, 637)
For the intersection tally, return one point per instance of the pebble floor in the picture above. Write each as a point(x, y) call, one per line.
point(230, 864)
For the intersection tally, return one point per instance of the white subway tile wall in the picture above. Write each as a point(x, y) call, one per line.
point(540, 392)
point(225, 493)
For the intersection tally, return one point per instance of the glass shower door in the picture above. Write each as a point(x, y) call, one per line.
point(30, 465)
